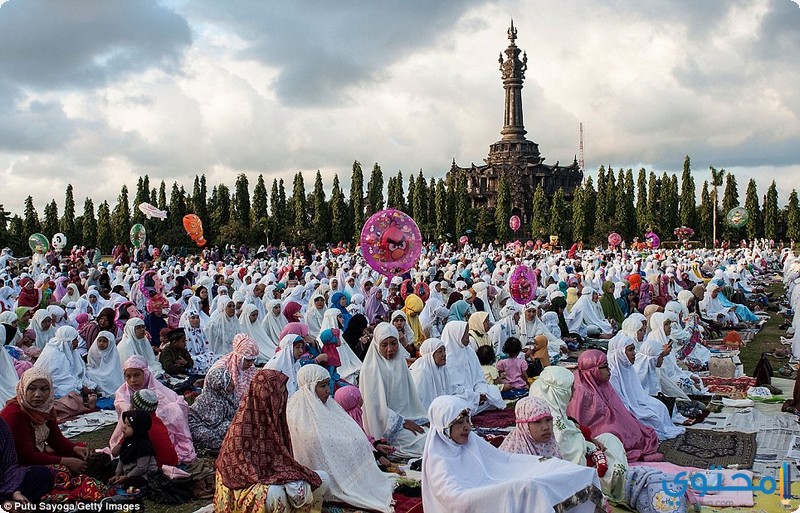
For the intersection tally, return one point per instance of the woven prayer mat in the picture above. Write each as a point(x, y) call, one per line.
point(495, 418)
point(703, 448)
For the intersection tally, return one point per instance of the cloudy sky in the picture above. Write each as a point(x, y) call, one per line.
point(96, 93)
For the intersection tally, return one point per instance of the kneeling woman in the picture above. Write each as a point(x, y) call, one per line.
point(392, 409)
point(256, 471)
point(325, 437)
point(462, 472)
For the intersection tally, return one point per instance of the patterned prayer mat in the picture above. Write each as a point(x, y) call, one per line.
point(703, 448)
point(734, 388)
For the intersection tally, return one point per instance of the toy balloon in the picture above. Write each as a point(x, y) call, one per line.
point(738, 217)
point(150, 211)
point(38, 243)
point(529, 244)
point(59, 241)
point(614, 239)
point(514, 223)
point(463, 239)
point(194, 227)
point(653, 239)
point(391, 242)
point(138, 235)
point(522, 284)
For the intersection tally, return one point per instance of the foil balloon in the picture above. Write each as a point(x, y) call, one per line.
point(391, 242)
point(652, 239)
point(463, 240)
point(738, 217)
point(529, 244)
point(38, 243)
point(514, 223)
point(150, 211)
point(59, 241)
point(138, 235)
point(522, 284)
point(614, 239)
point(194, 228)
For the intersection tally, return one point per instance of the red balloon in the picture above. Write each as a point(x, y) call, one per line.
point(194, 228)
point(514, 223)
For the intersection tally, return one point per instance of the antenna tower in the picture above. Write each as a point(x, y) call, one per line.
point(580, 162)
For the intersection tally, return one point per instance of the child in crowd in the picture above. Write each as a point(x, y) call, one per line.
point(28, 346)
point(330, 344)
point(174, 357)
point(147, 401)
point(135, 452)
point(513, 370)
point(486, 358)
point(349, 398)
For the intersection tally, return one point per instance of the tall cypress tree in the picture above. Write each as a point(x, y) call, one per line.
point(412, 190)
point(31, 222)
point(121, 217)
point(260, 208)
point(502, 211)
point(50, 223)
point(590, 197)
point(668, 216)
point(105, 233)
point(558, 222)
point(277, 220)
point(539, 214)
point(339, 221)
point(611, 195)
point(162, 196)
point(142, 196)
point(754, 227)
point(653, 199)
point(625, 218)
point(5, 218)
point(600, 201)
point(321, 221)
point(375, 190)
point(433, 230)
point(642, 213)
point(400, 199)
point(442, 220)
point(792, 217)
point(771, 212)
point(89, 224)
point(463, 206)
point(483, 225)
point(67, 223)
point(688, 201)
point(579, 214)
point(420, 207)
point(706, 215)
point(242, 192)
point(357, 199)
point(299, 203)
point(730, 199)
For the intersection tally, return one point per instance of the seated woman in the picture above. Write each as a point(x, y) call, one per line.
point(223, 326)
point(203, 357)
point(287, 359)
point(587, 309)
point(465, 370)
point(172, 409)
point(74, 392)
point(274, 322)
point(595, 404)
point(39, 441)
point(325, 437)
point(577, 443)
point(239, 363)
point(213, 410)
point(8, 369)
point(462, 472)
point(256, 471)
point(392, 409)
point(430, 372)
point(102, 364)
point(20, 483)
point(671, 376)
point(42, 325)
point(250, 324)
point(649, 410)
point(135, 343)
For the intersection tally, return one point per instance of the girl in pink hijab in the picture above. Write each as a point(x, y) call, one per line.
point(349, 398)
point(595, 403)
point(534, 433)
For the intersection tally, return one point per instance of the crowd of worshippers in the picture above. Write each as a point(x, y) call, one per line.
point(273, 384)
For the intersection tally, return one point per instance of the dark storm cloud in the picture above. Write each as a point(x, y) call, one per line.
point(46, 45)
point(323, 47)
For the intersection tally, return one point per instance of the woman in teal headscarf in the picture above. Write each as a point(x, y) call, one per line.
point(458, 311)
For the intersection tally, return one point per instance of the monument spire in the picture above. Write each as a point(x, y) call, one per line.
point(513, 73)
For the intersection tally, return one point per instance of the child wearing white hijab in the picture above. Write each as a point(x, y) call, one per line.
point(103, 365)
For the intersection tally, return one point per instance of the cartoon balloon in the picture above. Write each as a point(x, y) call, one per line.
point(38, 243)
point(738, 217)
point(391, 242)
point(653, 239)
point(522, 284)
point(59, 241)
point(138, 235)
point(150, 211)
point(614, 239)
point(194, 227)
point(514, 223)
point(463, 239)
point(529, 244)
